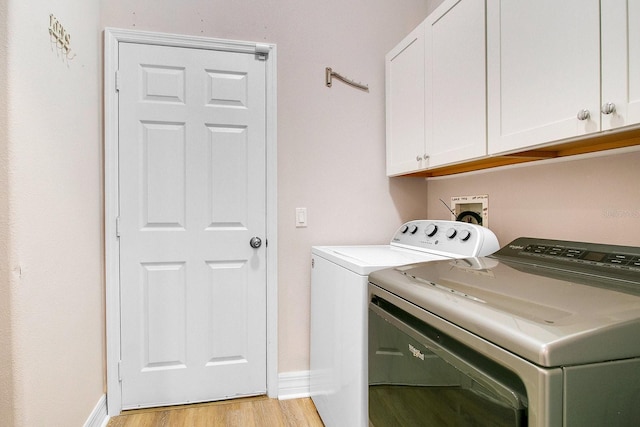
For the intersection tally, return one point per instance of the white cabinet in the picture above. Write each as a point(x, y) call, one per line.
point(543, 62)
point(553, 67)
point(620, 21)
point(479, 81)
point(405, 104)
point(455, 82)
point(436, 90)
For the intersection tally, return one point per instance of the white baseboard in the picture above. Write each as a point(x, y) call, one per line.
point(293, 385)
point(98, 417)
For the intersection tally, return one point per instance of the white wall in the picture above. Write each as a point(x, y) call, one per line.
point(52, 279)
point(6, 350)
point(593, 199)
point(330, 141)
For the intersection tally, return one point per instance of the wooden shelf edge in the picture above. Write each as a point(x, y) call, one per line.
point(601, 142)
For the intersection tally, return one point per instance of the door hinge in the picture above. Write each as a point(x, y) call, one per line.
point(120, 371)
point(117, 226)
point(118, 81)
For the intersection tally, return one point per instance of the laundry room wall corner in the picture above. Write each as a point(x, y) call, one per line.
point(6, 350)
point(52, 212)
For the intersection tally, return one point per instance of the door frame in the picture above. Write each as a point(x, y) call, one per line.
point(112, 39)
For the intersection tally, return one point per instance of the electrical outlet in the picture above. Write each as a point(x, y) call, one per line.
point(473, 209)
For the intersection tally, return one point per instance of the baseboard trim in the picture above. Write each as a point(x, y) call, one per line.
point(98, 417)
point(293, 385)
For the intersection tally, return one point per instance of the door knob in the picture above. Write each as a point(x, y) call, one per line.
point(255, 242)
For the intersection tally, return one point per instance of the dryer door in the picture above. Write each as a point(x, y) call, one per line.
point(420, 376)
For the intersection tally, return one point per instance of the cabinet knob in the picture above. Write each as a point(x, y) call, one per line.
point(418, 158)
point(584, 114)
point(608, 108)
point(426, 157)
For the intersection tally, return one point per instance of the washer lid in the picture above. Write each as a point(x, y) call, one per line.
point(366, 259)
point(549, 317)
point(415, 241)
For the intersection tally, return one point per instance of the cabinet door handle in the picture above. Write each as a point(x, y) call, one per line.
point(418, 158)
point(584, 114)
point(608, 108)
point(426, 157)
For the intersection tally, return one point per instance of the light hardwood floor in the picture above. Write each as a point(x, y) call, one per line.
point(248, 412)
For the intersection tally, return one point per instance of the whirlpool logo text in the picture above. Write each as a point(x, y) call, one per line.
point(416, 353)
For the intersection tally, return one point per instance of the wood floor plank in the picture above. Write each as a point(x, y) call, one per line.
point(300, 412)
point(259, 411)
point(269, 411)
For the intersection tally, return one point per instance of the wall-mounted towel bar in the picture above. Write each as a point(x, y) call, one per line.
point(329, 74)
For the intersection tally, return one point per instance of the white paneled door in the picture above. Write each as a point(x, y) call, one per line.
point(192, 196)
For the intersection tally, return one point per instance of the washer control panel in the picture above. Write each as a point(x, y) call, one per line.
point(452, 238)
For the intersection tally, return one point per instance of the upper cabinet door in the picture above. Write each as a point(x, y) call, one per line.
point(455, 81)
point(620, 63)
point(543, 60)
point(405, 96)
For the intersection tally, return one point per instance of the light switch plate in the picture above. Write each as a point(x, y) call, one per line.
point(301, 217)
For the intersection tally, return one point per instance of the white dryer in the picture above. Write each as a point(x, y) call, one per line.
point(339, 278)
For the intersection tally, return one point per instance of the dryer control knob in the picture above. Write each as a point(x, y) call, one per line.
point(431, 230)
point(413, 229)
point(451, 233)
point(465, 235)
point(404, 229)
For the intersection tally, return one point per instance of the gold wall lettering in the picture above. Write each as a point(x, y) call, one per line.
point(60, 35)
